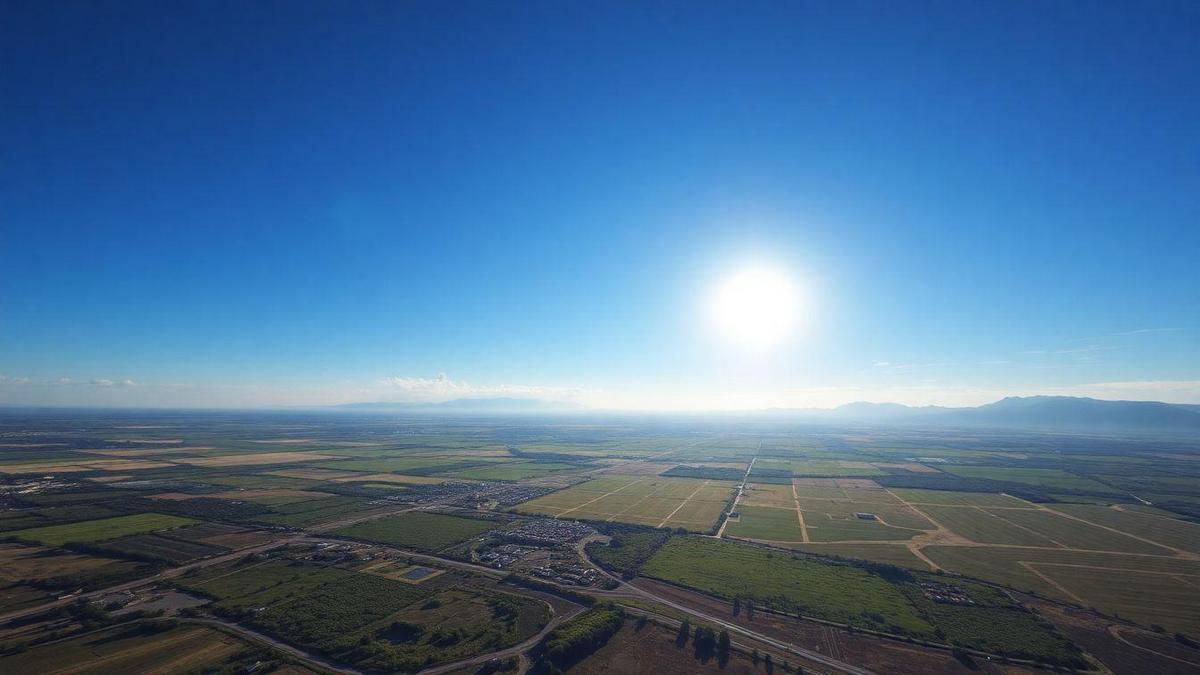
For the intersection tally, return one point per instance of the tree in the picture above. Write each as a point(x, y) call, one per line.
point(750, 610)
point(737, 606)
point(685, 629)
point(754, 656)
point(770, 666)
point(723, 642)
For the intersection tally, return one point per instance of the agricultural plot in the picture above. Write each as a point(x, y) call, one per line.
point(766, 523)
point(1071, 533)
point(155, 547)
point(33, 574)
point(303, 514)
point(1164, 530)
point(82, 466)
point(513, 470)
point(143, 648)
point(1167, 589)
point(1045, 478)
point(657, 501)
point(419, 530)
point(254, 459)
point(888, 553)
point(777, 579)
point(100, 530)
point(411, 465)
point(983, 526)
point(951, 498)
point(396, 478)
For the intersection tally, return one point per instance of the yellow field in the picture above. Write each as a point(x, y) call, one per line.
point(255, 458)
point(690, 503)
point(82, 465)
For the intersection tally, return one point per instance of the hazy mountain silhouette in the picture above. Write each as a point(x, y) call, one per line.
point(1038, 412)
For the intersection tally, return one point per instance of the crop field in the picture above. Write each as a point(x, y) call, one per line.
point(303, 514)
point(691, 503)
point(950, 498)
point(270, 496)
point(1071, 533)
point(396, 478)
point(172, 551)
point(417, 465)
point(254, 459)
point(766, 523)
point(834, 592)
point(513, 470)
point(82, 465)
point(99, 530)
point(1168, 589)
point(1155, 527)
point(1048, 478)
point(136, 649)
point(422, 531)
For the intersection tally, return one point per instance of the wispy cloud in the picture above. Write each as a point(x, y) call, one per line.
point(5, 379)
point(442, 388)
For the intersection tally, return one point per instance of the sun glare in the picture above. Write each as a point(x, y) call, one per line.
point(755, 307)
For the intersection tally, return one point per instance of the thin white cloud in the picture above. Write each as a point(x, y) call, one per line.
point(442, 388)
point(5, 379)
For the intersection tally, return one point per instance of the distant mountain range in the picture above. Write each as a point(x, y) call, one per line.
point(1033, 412)
point(1064, 413)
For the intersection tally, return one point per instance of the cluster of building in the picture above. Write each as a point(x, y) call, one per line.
point(504, 556)
point(944, 593)
point(568, 573)
point(547, 531)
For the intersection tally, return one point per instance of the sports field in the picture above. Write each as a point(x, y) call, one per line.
point(690, 503)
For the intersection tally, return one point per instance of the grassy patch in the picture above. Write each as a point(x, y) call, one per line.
point(100, 530)
point(836, 592)
point(423, 531)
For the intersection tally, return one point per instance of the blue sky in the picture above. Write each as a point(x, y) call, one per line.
point(280, 203)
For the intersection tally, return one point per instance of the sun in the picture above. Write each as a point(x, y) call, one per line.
point(755, 307)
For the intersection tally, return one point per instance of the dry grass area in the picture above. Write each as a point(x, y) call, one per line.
point(396, 571)
point(146, 441)
point(255, 459)
point(640, 468)
point(25, 563)
point(82, 465)
point(111, 479)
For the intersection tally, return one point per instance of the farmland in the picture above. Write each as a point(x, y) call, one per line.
point(817, 509)
point(138, 649)
point(422, 531)
point(688, 503)
point(99, 530)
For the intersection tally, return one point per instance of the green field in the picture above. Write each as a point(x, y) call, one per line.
point(761, 522)
point(422, 531)
point(1047, 478)
point(777, 579)
point(1147, 589)
point(513, 471)
point(99, 530)
point(368, 620)
point(1155, 527)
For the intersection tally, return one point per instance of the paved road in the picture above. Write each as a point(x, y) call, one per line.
point(515, 650)
point(216, 560)
point(298, 654)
